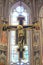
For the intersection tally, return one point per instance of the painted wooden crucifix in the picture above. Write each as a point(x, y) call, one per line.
point(21, 37)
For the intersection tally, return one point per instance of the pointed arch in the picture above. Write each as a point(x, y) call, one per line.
point(22, 4)
point(28, 10)
point(13, 48)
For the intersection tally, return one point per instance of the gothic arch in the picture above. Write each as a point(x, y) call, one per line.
point(18, 4)
point(28, 9)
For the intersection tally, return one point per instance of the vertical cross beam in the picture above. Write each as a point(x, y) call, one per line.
point(20, 37)
point(21, 50)
point(21, 18)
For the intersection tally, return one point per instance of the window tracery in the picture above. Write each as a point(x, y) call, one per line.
point(14, 55)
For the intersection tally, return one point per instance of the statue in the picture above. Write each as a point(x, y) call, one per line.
point(20, 41)
point(20, 34)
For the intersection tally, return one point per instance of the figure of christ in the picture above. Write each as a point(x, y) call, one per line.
point(20, 35)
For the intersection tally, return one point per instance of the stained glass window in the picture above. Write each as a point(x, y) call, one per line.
point(19, 11)
point(14, 55)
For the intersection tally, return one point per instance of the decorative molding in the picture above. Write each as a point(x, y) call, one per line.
point(36, 47)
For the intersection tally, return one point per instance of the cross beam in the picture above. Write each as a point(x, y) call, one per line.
point(21, 19)
point(33, 26)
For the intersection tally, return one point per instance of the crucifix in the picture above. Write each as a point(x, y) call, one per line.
point(20, 32)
